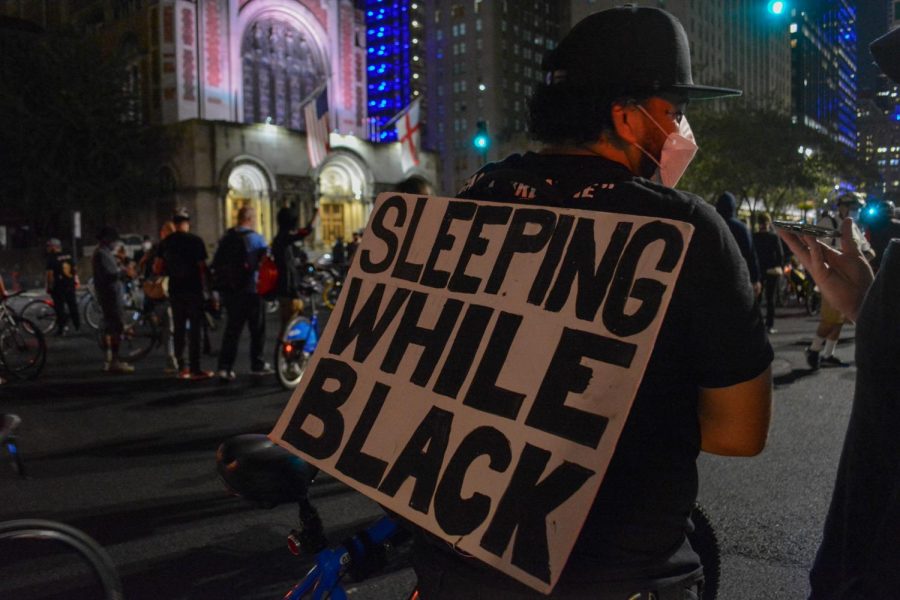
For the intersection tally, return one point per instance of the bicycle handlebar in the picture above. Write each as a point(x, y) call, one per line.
point(331, 564)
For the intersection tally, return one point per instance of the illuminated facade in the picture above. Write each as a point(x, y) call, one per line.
point(823, 57)
point(230, 79)
point(395, 61)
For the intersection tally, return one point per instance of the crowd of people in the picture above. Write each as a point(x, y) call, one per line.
point(180, 283)
point(610, 116)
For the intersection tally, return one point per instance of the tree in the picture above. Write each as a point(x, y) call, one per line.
point(69, 132)
point(765, 159)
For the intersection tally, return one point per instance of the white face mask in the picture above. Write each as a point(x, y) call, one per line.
point(678, 151)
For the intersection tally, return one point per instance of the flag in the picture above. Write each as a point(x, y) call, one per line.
point(408, 134)
point(316, 115)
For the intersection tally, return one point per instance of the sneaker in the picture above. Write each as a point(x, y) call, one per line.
point(265, 369)
point(118, 367)
point(833, 361)
point(812, 359)
point(184, 374)
point(226, 375)
point(200, 375)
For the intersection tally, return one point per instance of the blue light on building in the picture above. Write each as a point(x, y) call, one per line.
point(824, 57)
point(389, 58)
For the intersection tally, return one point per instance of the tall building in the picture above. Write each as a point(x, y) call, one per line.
point(878, 114)
point(735, 43)
point(823, 60)
point(395, 61)
point(484, 60)
point(231, 80)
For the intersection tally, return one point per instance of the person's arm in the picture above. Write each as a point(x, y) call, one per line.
point(734, 420)
point(49, 284)
point(843, 277)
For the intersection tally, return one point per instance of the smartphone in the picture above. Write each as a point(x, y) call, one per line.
point(807, 229)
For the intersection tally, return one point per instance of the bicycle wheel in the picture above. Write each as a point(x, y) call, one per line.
point(41, 313)
point(290, 358)
point(47, 559)
point(139, 337)
point(331, 292)
point(23, 350)
point(93, 314)
point(705, 543)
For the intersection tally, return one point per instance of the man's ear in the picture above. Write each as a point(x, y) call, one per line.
point(621, 118)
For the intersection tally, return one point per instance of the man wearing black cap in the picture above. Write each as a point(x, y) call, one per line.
point(182, 256)
point(107, 287)
point(611, 116)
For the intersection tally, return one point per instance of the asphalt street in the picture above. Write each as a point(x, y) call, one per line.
point(131, 461)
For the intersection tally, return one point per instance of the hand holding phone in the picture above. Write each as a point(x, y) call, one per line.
point(807, 229)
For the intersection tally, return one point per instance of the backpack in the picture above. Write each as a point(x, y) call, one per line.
point(232, 265)
point(267, 282)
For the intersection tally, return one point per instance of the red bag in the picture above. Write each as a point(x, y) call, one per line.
point(267, 281)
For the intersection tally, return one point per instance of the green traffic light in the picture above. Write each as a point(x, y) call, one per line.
point(481, 141)
point(776, 7)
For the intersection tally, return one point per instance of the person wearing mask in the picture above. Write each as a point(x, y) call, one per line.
point(236, 264)
point(611, 117)
point(108, 277)
point(182, 256)
point(726, 206)
point(62, 280)
point(771, 264)
point(821, 350)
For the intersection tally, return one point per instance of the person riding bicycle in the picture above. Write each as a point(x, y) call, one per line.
point(108, 276)
point(616, 140)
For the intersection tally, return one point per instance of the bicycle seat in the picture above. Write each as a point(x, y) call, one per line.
point(253, 467)
point(8, 424)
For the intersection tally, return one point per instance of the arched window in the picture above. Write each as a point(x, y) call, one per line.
point(281, 69)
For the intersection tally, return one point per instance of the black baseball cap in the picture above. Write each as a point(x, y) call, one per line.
point(886, 51)
point(181, 214)
point(629, 50)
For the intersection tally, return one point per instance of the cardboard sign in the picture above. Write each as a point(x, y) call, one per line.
point(478, 368)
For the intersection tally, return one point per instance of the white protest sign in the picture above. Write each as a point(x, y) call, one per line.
point(478, 368)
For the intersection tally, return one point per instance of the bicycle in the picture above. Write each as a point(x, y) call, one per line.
point(23, 350)
point(139, 336)
point(42, 313)
point(324, 579)
point(299, 339)
point(31, 564)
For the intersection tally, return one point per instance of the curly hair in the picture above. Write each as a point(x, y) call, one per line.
point(564, 112)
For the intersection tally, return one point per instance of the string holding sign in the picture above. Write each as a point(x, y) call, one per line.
point(478, 369)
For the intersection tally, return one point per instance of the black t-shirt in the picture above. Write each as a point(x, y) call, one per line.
point(62, 266)
point(712, 336)
point(768, 250)
point(858, 557)
point(288, 253)
point(182, 253)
